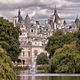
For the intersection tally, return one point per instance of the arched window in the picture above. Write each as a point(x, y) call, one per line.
point(23, 61)
point(19, 60)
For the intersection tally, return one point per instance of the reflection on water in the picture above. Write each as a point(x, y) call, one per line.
point(25, 75)
point(47, 78)
point(65, 78)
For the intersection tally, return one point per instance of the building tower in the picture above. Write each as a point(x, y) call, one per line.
point(56, 17)
point(77, 22)
point(19, 16)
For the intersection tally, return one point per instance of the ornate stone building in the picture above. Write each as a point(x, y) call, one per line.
point(73, 26)
point(33, 38)
point(56, 22)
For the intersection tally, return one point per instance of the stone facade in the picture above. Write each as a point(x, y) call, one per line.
point(34, 36)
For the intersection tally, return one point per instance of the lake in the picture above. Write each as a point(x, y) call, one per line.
point(25, 75)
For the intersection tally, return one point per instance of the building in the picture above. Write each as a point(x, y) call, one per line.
point(34, 36)
point(56, 22)
point(73, 26)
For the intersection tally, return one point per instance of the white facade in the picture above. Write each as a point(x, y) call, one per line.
point(34, 36)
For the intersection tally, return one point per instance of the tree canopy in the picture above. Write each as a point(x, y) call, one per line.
point(6, 70)
point(42, 58)
point(58, 40)
point(66, 60)
point(64, 50)
point(9, 38)
point(78, 40)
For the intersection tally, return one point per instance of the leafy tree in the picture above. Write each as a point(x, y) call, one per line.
point(9, 38)
point(78, 40)
point(6, 70)
point(58, 40)
point(66, 60)
point(42, 58)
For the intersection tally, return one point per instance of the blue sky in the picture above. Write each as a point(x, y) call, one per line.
point(40, 9)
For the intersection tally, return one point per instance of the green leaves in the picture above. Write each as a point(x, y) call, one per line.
point(58, 40)
point(9, 38)
point(6, 70)
point(66, 60)
point(78, 40)
point(42, 58)
point(64, 51)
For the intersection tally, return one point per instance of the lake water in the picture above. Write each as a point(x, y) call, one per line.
point(25, 75)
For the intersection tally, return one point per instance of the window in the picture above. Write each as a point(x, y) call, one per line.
point(32, 30)
point(29, 53)
point(46, 29)
point(29, 42)
point(23, 61)
point(35, 52)
point(23, 54)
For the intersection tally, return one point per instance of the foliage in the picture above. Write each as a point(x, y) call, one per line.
point(6, 70)
point(58, 40)
point(63, 78)
point(43, 68)
point(20, 68)
point(9, 36)
point(66, 60)
point(42, 58)
point(78, 40)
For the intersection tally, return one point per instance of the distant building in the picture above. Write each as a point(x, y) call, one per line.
point(56, 22)
point(33, 38)
point(73, 26)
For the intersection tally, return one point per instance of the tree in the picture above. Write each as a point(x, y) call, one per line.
point(78, 40)
point(66, 60)
point(42, 58)
point(6, 69)
point(9, 38)
point(58, 40)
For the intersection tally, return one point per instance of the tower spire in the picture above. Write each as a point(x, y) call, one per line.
point(77, 16)
point(19, 16)
point(77, 19)
point(19, 12)
point(55, 10)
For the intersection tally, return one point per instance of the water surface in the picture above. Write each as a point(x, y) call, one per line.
point(25, 75)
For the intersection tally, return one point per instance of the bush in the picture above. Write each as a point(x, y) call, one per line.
point(42, 59)
point(18, 68)
point(43, 68)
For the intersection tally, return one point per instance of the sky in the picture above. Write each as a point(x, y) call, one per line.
point(40, 9)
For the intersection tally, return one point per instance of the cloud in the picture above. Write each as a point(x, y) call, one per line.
point(73, 0)
point(40, 9)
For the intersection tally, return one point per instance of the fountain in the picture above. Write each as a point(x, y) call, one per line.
point(32, 67)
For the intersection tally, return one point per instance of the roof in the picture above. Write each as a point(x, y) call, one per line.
point(27, 18)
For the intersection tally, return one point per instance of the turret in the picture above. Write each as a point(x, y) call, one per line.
point(77, 22)
point(64, 23)
point(27, 19)
point(56, 15)
point(19, 16)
